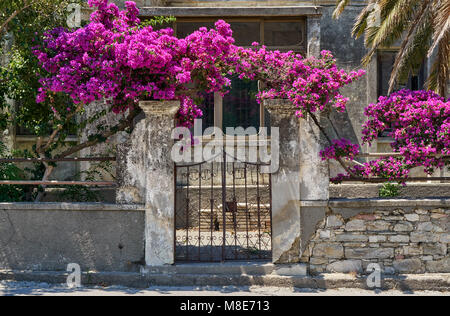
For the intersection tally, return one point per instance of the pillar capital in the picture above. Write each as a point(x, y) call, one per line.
point(280, 107)
point(160, 107)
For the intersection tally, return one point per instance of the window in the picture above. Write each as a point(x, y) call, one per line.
point(386, 60)
point(385, 64)
point(239, 107)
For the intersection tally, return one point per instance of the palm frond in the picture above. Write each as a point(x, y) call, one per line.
point(422, 17)
point(440, 72)
point(393, 18)
point(360, 25)
point(340, 6)
point(441, 24)
point(415, 54)
point(394, 22)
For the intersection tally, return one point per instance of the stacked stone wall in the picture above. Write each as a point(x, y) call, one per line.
point(414, 241)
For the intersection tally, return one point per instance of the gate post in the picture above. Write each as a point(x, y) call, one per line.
point(160, 182)
point(299, 187)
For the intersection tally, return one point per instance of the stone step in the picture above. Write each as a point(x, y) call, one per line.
point(229, 268)
point(422, 282)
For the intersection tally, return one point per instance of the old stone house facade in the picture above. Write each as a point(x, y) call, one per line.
point(302, 26)
point(177, 211)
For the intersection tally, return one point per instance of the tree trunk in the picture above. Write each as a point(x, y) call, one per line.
point(47, 173)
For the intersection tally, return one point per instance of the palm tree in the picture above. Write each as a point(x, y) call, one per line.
point(423, 26)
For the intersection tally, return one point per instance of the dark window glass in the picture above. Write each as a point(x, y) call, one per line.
point(386, 60)
point(240, 108)
point(385, 63)
point(245, 33)
point(186, 28)
point(208, 111)
point(283, 34)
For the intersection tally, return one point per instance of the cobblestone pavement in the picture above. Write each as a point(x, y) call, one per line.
point(8, 288)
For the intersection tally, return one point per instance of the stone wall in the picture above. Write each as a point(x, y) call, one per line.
point(416, 190)
point(402, 239)
point(48, 236)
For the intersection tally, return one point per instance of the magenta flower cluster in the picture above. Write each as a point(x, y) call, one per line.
point(419, 124)
point(311, 84)
point(390, 168)
point(116, 58)
point(113, 57)
point(340, 148)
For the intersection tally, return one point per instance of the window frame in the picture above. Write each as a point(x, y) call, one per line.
point(301, 48)
point(395, 50)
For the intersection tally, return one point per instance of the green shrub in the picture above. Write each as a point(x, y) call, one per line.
point(9, 171)
point(80, 193)
point(389, 190)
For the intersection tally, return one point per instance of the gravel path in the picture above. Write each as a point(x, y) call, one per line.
point(43, 289)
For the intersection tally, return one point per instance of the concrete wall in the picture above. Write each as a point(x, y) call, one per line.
point(48, 236)
point(418, 190)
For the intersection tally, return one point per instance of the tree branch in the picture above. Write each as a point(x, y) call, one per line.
point(128, 122)
point(324, 132)
point(59, 128)
point(4, 26)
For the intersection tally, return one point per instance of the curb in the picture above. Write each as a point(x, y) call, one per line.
point(417, 282)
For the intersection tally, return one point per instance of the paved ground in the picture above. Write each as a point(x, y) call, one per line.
point(8, 288)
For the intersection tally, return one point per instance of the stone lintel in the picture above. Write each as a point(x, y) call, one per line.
point(232, 11)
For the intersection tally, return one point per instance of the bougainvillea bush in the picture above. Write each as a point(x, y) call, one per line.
point(117, 58)
point(418, 122)
point(113, 57)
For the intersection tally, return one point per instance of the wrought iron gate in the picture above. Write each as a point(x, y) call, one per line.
point(223, 211)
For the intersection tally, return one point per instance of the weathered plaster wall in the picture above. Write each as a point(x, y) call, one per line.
point(336, 37)
point(403, 236)
point(302, 176)
point(48, 236)
point(7, 135)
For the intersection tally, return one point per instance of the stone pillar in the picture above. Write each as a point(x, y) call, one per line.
point(313, 35)
point(299, 187)
point(160, 183)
